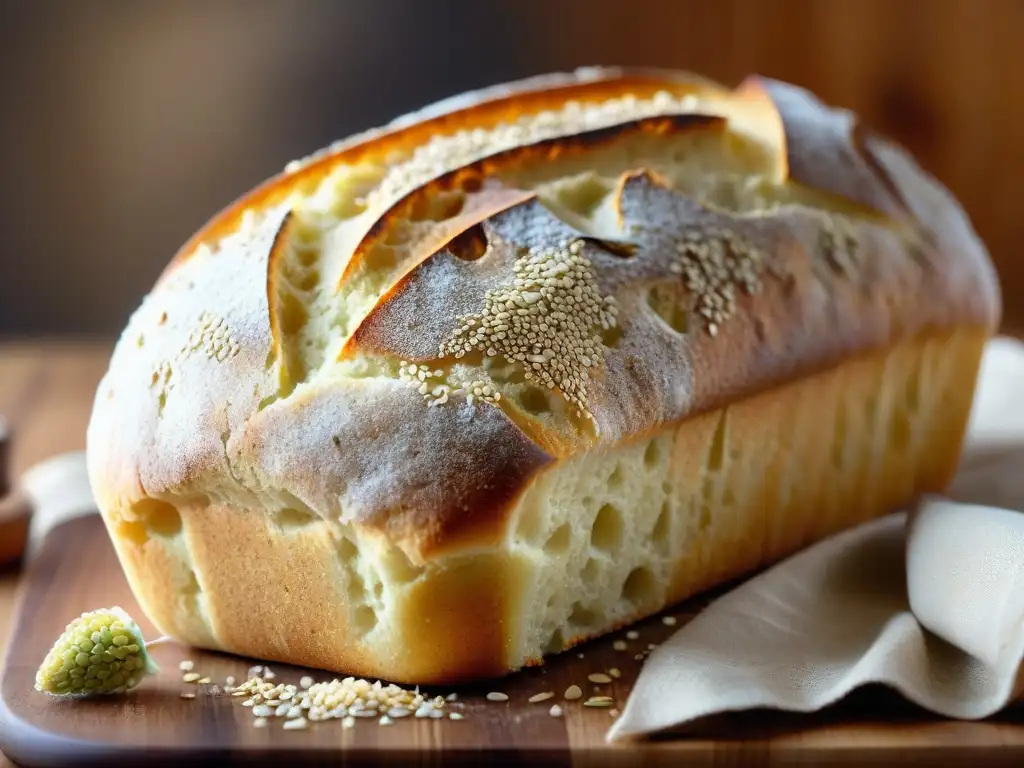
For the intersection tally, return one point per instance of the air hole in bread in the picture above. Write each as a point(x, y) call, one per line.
point(668, 303)
point(606, 533)
point(439, 207)
point(615, 478)
point(470, 245)
point(535, 400)
point(307, 256)
point(293, 315)
point(583, 194)
point(716, 455)
point(347, 550)
point(640, 588)
point(308, 281)
point(704, 520)
point(159, 517)
point(582, 616)
point(555, 643)
point(398, 568)
point(364, 620)
point(191, 588)
point(133, 532)
point(728, 497)
point(528, 528)
point(652, 455)
point(662, 527)
point(290, 517)
point(380, 258)
point(590, 571)
point(559, 541)
point(611, 337)
point(666, 488)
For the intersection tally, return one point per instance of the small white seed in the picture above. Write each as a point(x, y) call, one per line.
point(497, 696)
point(306, 683)
point(260, 722)
point(573, 692)
point(539, 697)
point(668, 621)
point(187, 665)
point(454, 716)
point(599, 678)
point(556, 711)
point(191, 677)
point(632, 635)
point(296, 725)
point(615, 672)
point(619, 645)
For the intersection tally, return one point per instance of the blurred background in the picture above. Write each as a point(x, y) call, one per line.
point(127, 123)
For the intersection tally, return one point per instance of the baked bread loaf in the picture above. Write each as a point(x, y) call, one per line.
point(532, 364)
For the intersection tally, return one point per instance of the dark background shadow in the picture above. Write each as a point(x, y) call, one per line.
point(126, 124)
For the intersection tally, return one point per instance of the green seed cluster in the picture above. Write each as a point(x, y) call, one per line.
point(100, 652)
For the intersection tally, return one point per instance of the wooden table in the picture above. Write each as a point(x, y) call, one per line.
point(46, 391)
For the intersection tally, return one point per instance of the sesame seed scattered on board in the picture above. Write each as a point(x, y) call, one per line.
point(573, 692)
point(619, 645)
point(632, 635)
point(497, 696)
point(306, 682)
point(668, 621)
point(599, 678)
point(385, 720)
point(555, 711)
point(190, 677)
point(187, 665)
point(188, 695)
point(348, 722)
point(204, 681)
point(297, 724)
point(651, 646)
point(454, 716)
point(451, 697)
point(229, 681)
point(615, 672)
point(539, 697)
point(598, 701)
point(260, 722)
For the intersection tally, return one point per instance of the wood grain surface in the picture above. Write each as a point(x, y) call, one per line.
point(46, 392)
point(76, 570)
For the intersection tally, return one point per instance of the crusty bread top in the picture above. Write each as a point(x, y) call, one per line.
point(400, 331)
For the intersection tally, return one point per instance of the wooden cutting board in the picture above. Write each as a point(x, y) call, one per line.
point(75, 570)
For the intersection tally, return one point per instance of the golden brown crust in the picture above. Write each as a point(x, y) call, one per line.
point(522, 276)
